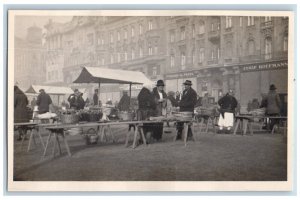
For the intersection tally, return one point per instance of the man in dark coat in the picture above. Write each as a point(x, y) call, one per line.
point(146, 108)
point(96, 98)
point(160, 98)
point(76, 101)
point(273, 105)
point(228, 104)
point(20, 109)
point(186, 104)
point(124, 102)
point(43, 101)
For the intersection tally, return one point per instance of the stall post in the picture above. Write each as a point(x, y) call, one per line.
point(98, 94)
point(130, 92)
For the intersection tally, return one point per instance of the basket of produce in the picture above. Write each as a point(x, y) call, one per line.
point(184, 116)
point(90, 115)
point(74, 131)
point(126, 116)
point(69, 118)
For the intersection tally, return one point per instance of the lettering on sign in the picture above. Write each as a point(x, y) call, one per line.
point(265, 66)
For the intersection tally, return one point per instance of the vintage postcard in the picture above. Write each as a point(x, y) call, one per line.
point(150, 100)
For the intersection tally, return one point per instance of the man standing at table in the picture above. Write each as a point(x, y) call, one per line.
point(43, 101)
point(186, 104)
point(96, 98)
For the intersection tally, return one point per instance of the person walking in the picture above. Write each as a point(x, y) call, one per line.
point(160, 98)
point(228, 104)
point(273, 105)
point(43, 101)
point(186, 104)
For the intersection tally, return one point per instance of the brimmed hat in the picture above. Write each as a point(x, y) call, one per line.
point(76, 90)
point(187, 82)
point(41, 90)
point(273, 87)
point(160, 83)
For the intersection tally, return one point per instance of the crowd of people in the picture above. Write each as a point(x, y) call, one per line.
point(153, 101)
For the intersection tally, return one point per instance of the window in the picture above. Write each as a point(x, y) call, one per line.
point(228, 49)
point(111, 59)
point(182, 60)
point(154, 71)
point(119, 57)
point(201, 55)
point(140, 29)
point(125, 34)
point(268, 18)
point(193, 57)
point(172, 36)
point(118, 36)
point(251, 47)
point(111, 38)
point(150, 51)
point(125, 56)
point(268, 48)
point(132, 54)
point(212, 55)
point(182, 33)
point(201, 28)
point(193, 31)
point(285, 43)
point(155, 50)
point(172, 61)
point(250, 21)
point(228, 22)
point(132, 31)
point(241, 21)
point(218, 26)
point(150, 25)
point(218, 53)
point(212, 27)
point(141, 51)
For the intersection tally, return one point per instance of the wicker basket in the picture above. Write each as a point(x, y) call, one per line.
point(69, 118)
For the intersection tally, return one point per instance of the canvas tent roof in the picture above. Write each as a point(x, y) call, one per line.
point(104, 75)
point(50, 89)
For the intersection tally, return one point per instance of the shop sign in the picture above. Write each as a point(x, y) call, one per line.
point(180, 75)
point(265, 66)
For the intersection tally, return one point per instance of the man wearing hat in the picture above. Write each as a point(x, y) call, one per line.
point(96, 98)
point(186, 104)
point(124, 103)
point(273, 105)
point(76, 101)
point(43, 101)
point(160, 98)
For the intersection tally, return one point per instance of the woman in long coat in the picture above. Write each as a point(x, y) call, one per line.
point(146, 107)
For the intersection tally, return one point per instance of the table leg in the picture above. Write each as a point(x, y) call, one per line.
point(193, 132)
point(251, 128)
point(214, 126)
point(58, 143)
point(66, 144)
point(201, 124)
point(236, 126)
point(49, 137)
point(245, 124)
point(143, 135)
point(185, 130)
point(207, 122)
point(127, 138)
point(30, 140)
point(38, 132)
point(112, 134)
point(54, 147)
point(135, 138)
point(24, 132)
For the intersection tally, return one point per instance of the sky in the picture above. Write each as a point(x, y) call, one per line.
point(24, 22)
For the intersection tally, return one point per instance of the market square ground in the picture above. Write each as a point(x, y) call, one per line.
point(212, 157)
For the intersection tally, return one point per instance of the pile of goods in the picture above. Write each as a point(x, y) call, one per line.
point(91, 115)
point(126, 116)
point(206, 111)
point(183, 116)
point(258, 112)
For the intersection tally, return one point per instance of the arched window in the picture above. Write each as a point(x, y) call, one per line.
point(229, 49)
point(285, 43)
point(201, 28)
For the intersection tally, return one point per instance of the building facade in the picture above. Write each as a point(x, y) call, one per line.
point(216, 53)
point(29, 58)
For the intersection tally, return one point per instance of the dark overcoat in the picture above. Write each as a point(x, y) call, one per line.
point(124, 103)
point(188, 100)
point(43, 101)
point(20, 106)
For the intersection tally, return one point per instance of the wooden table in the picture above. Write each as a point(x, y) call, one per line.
point(205, 120)
point(32, 127)
point(247, 122)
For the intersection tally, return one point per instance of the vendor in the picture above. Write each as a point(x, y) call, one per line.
point(160, 98)
point(76, 101)
point(124, 103)
point(43, 101)
point(96, 98)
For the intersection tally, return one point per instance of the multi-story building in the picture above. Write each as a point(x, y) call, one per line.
point(216, 53)
point(29, 58)
point(222, 53)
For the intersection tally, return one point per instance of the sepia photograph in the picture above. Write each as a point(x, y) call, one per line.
point(125, 100)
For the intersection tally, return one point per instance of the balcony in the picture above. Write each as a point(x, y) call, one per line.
point(214, 36)
point(277, 55)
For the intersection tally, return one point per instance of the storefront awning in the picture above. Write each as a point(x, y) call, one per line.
point(104, 75)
